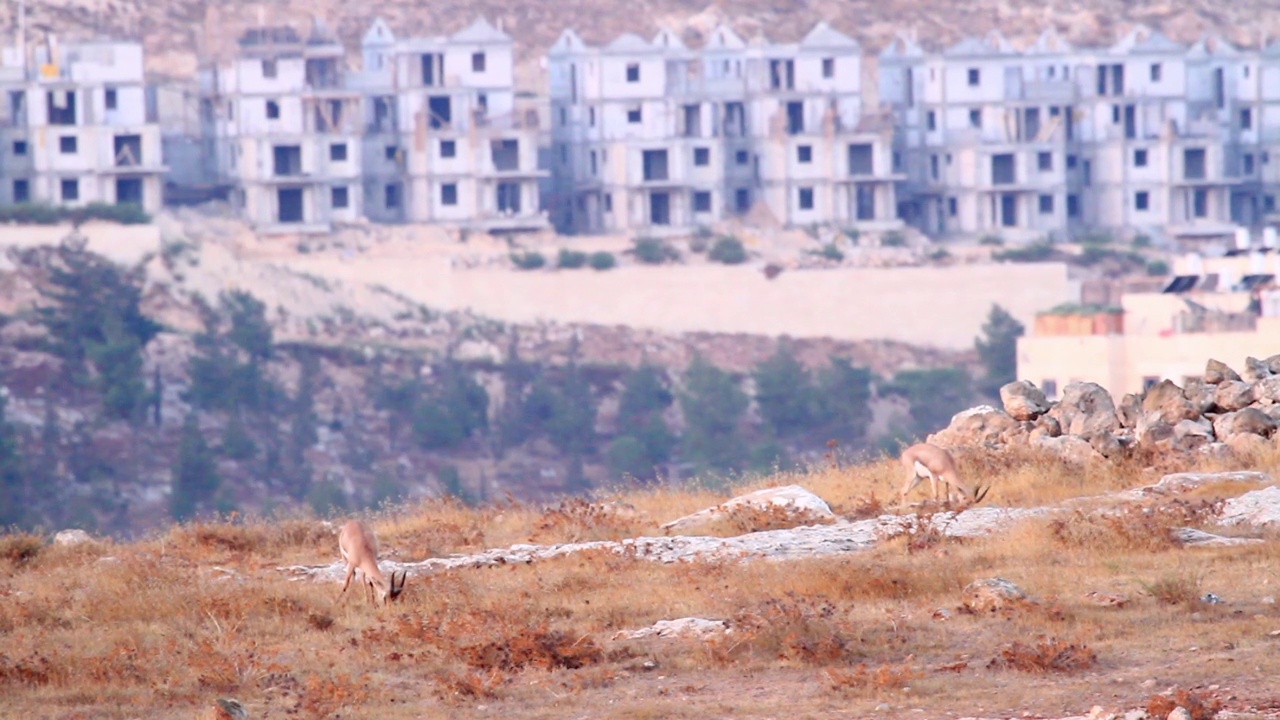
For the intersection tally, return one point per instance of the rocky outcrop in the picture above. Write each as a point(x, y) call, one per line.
point(789, 505)
point(990, 594)
point(1220, 415)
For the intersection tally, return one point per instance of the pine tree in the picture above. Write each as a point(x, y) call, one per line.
point(195, 474)
point(712, 403)
point(998, 351)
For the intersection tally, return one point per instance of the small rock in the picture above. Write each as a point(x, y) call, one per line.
point(991, 594)
point(1023, 400)
point(1211, 599)
point(1179, 713)
point(1106, 599)
point(882, 707)
point(72, 536)
point(1254, 370)
point(1167, 399)
point(1233, 395)
point(1136, 714)
point(1216, 371)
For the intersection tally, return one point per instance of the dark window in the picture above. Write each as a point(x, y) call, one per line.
point(449, 194)
point(111, 99)
point(390, 152)
point(804, 154)
point(1002, 169)
point(268, 67)
point(338, 153)
point(828, 67)
point(741, 157)
point(975, 118)
point(1193, 164)
point(1141, 200)
point(1073, 206)
point(806, 198)
point(1140, 158)
point(608, 202)
point(1050, 388)
point(931, 118)
point(702, 201)
point(1149, 382)
point(953, 207)
point(477, 62)
point(1248, 164)
point(1246, 119)
point(67, 145)
point(19, 147)
point(742, 200)
point(654, 164)
point(70, 189)
point(338, 197)
point(273, 110)
point(448, 148)
point(1045, 161)
point(633, 72)
point(21, 191)
point(633, 115)
point(861, 161)
point(1046, 204)
point(1155, 72)
point(701, 156)
point(974, 77)
point(1071, 162)
point(392, 196)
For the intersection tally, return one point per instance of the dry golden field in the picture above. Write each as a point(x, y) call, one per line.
point(166, 626)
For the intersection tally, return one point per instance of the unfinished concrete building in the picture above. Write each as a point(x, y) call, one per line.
point(651, 135)
point(77, 127)
point(287, 130)
point(447, 139)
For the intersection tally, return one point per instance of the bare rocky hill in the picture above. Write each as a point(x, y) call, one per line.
point(173, 30)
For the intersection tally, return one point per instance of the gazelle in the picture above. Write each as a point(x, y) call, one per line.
point(359, 548)
point(930, 461)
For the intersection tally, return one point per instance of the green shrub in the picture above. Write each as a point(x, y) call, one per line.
point(994, 240)
point(1034, 252)
point(528, 261)
point(653, 251)
point(602, 260)
point(571, 259)
point(1156, 268)
point(728, 250)
point(45, 214)
point(893, 238)
point(854, 234)
point(1142, 240)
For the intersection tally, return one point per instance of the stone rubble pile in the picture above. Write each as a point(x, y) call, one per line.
point(1223, 413)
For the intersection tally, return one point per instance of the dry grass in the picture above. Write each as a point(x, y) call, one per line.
point(165, 626)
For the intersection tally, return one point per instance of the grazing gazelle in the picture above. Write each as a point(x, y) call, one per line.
point(930, 461)
point(359, 548)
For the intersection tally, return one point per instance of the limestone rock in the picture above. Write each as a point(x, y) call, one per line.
point(1179, 713)
point(1069, 449)
point(992, 594)
point(1233, 395)
point(1267, 389)
point(1167, 399)
point(1202, 395)
point(1254, 370)
point(1273, 364)
point(1086, 409)
point(1152, 428)
point(1216, 371)
point(1259, 509)
point(1193, 434)
point(804, 507)
point(1248, 445)
point(1129, 411)
point(1023, 400)
point(1049, 425)
point(1249, 420)
point(72, 536)
point(1200, 538)
point(976, 426)
point(1101, 599)
point(689, 627)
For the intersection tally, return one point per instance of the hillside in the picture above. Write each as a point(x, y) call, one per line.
point(1085, 596)
point(267, 387)
point(173, 29)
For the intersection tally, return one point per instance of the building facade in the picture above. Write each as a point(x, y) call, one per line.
point(1143, 136)
point(77, 126)
point(446, 137)
point(650, 135)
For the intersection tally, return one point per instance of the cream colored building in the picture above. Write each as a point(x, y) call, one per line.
point(1227, 308)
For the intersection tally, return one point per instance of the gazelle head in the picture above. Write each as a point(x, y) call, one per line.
point(393, 589)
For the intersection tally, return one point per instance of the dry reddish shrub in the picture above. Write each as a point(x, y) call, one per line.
point(18, 549)
point(30, 670)
point(1175, 590)
point(1134, 529)
point(469, 684)
point(1045, 656)
point(792, 628)
point(862, 508)
point(1159, 706)
point(861, 677)
point(539, 647)
point(743, 519)
point(577, 520)
point(322, 697)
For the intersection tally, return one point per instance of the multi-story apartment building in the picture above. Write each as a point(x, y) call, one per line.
point(287, 130)
point(1140, 136)
point(653, 135)
point(446, 138)
point(77, 127)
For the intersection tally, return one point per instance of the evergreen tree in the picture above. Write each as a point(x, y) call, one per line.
point(712, 403)
point(786, 394)
point(844, 401)
point(456, 408)
point(934, 396)
point(644, 440)
point(13, 495)
point(195, 474)
point(998, 351)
